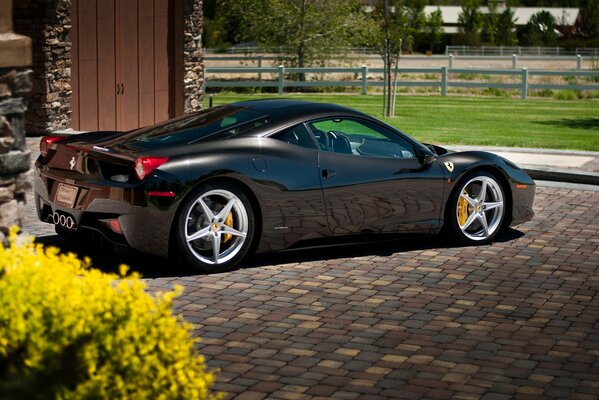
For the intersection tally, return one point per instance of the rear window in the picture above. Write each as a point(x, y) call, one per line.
point(215, 123)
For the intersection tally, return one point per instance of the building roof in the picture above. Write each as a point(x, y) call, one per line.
point(565, 16)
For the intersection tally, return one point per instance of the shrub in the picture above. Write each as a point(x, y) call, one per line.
point(495, 92)
point(71, 332)
point(472, 77)
point(545, 93)
point(565, 95)
point(570, 79)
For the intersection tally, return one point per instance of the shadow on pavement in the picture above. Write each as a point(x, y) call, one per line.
point(109, 259)
point(384, 248)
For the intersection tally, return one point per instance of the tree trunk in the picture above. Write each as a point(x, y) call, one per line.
point(389, 86)
point(301, 63)
point(387, 58)
point(301, 49)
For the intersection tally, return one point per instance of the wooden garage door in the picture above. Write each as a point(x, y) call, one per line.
point(121, 64)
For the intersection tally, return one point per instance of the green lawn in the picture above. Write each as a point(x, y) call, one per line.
point(552, 124)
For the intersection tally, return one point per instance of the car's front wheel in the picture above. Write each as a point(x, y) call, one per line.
point(215, 227)
point(477, 208)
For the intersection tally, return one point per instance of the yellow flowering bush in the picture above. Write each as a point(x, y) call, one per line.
point(71, 332)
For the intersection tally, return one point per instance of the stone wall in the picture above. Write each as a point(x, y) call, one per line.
point(193, 55)
point(48, 23)
point(15, 82)
point(14, 157)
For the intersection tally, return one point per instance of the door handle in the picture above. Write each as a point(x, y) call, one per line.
point(118, 89)
point(327, 173)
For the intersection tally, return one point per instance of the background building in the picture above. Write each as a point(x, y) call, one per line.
point(564, 16)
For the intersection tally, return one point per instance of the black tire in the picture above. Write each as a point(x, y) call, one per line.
point(467, 215)
point(232, 232)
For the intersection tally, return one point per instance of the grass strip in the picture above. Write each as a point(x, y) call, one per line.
point(476, 121)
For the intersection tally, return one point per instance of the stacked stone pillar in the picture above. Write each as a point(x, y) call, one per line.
point(193, 59)
point(15, 83)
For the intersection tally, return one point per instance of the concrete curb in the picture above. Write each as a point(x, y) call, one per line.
point(542, 172)
point(588, 178)
point(492, 149)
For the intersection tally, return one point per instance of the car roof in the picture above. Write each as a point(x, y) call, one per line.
point(286, 109)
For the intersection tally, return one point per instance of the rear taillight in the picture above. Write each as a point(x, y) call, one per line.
point(144, 166)
point(46, 142)
point(115, 225)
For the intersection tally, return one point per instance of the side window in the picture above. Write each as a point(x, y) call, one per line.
point(359, 138)
point(232, 129)
point(297, 135)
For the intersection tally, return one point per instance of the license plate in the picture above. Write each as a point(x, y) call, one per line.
point(66, 195)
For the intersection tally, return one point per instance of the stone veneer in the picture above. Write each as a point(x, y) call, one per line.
point(193, 55)
point(48, 23)
point(15, 82)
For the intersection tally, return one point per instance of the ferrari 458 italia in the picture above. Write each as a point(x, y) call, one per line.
point(267, 175)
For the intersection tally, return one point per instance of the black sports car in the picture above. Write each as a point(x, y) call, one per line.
point(267, 175)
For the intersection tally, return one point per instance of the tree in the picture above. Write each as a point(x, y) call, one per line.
point(470, 23)
point(588, 24)
point(310, 29)
point(416, 21)
point(434, 28)
point(391, 19)
point(222, 25)
point(540, 30)
point(490, 24)
point(506, 28)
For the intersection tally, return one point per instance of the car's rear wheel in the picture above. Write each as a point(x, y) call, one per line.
point(215, 227)
point(477, 208)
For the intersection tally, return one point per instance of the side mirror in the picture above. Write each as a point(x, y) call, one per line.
point(425, 158)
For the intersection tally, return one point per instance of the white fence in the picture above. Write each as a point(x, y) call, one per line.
point(363, 78)
point(520, 51)
point(576, 60)
point(249, 50)
point(455, 50)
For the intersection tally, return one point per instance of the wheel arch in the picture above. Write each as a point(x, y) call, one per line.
point(501, 178)
point(232, 181)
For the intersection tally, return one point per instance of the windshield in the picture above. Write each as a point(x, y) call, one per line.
point(215, 123)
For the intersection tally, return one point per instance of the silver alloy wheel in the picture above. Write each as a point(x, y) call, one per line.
point(216, 226)
point(480, 208)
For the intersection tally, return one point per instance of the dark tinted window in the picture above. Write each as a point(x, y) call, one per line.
point(213, 123)
point(297, 135)
point(359, 138)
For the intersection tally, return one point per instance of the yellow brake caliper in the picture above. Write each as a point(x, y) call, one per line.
point(229, 222)
point(463, 209)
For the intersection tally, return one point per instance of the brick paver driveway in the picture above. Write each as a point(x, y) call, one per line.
point(413, 319)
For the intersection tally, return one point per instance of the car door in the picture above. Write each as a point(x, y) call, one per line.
point(372, 180)
point(290, 190)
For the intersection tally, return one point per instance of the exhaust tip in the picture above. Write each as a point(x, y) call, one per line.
point(66, 221)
